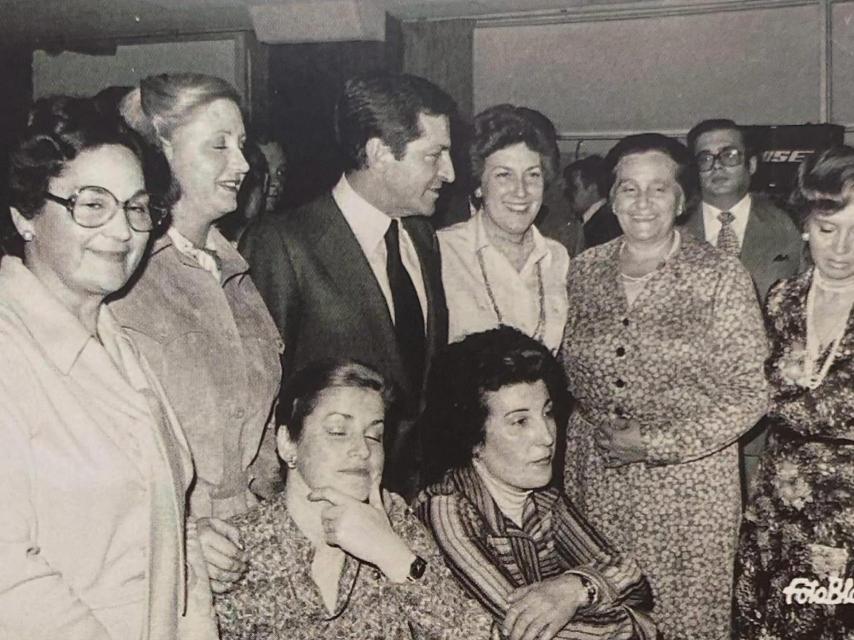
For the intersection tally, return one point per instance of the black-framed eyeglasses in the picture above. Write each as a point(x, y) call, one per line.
point(728, 156)
point(93, 207)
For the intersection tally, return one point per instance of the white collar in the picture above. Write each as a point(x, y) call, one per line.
point(593, 208)
point(368, 223)
point(740, 210)
point(481, 241)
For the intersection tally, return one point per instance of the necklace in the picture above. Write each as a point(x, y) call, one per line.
point(814, 378)
point(541, 319)
point(674, 247)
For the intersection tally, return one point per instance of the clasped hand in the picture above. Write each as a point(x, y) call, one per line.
point(224, 554)
point(620, 442)
point(538, 611)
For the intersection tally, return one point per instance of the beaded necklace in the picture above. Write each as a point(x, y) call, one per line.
point(541, 320)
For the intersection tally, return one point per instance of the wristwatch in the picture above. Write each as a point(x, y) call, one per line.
point(417, 569)
point(592, 592)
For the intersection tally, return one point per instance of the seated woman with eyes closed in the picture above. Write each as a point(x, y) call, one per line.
point(517, 544)
point(334, 556)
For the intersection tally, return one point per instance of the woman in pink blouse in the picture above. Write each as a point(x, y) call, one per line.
point(334, 557)
point(497, 268)
point(94, 468)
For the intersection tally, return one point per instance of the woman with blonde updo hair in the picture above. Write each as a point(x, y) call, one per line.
point(197, 316)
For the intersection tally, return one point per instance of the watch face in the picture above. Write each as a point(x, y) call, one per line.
point(417, 568)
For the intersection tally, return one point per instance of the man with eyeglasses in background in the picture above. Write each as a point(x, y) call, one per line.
point(744, 224)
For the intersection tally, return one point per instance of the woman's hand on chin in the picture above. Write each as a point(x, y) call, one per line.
point(362, 529)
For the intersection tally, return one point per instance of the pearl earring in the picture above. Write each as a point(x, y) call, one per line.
point(805, 236)
point(28, 236)
point(291, 462)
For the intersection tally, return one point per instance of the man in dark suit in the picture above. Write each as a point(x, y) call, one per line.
point(356, 273)
point(591, 220)
point(744, 224)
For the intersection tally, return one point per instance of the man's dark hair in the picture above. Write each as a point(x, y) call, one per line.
point(385, 106)
point(719, 124)
point(590, 170)
point(454, 418)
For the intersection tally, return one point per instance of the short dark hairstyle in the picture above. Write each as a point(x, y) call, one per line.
point(719, 124)
point(504, 125)
point(302, 392)
point(454, 419)
point(58, 130)
point(590, 170)
point(385, 106)
point(825, 182)
point(686, 175)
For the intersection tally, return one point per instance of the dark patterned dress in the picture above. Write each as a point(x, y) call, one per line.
point(685, 361)
point(799, 522)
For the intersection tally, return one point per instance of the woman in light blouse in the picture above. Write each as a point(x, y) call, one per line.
point(196, 314)
point(94, 468)
point(334, 556)
point(496, 267)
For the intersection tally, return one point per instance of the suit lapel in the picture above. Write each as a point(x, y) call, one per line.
point(694, 222)
point(761, 241)
point(347, 267)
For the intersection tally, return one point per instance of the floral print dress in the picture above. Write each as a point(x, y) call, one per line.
point(799, 523)
point(684, 360)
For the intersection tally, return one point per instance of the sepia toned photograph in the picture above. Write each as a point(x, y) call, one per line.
point(426, 319)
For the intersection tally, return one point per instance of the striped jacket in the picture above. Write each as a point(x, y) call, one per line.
point(491, 556)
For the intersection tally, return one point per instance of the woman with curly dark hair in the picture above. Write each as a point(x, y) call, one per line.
point(517, 544)
point(94, 467)
point(497, 268)
point(797, 535)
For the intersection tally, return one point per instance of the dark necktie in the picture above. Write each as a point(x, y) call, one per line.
point(727, 240)
point(408, 320)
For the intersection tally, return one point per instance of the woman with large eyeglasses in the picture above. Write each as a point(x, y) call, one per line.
point(94, 468)
point(197, 315)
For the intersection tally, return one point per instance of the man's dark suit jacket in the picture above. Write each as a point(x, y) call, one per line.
point(772, 246)
point(772, 250)
point(326, 302)
point(602, 227)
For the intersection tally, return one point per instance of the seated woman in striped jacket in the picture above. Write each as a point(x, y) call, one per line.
point(516, 543)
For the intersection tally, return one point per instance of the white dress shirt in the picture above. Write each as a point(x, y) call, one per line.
point(740, 212)
point(516, 293)
point(369, 225)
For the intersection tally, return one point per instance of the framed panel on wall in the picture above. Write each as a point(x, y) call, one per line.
point(662, 73)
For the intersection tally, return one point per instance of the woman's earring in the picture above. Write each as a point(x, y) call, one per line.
point(28, 236)
point(291, 462)
point(805, 236)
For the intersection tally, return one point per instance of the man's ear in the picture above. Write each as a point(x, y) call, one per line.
point(377, 152)
point(22, 224)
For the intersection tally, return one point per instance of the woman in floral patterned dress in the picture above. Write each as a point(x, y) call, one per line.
point(333, 556)
point(663, 350)
point(797, 536)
